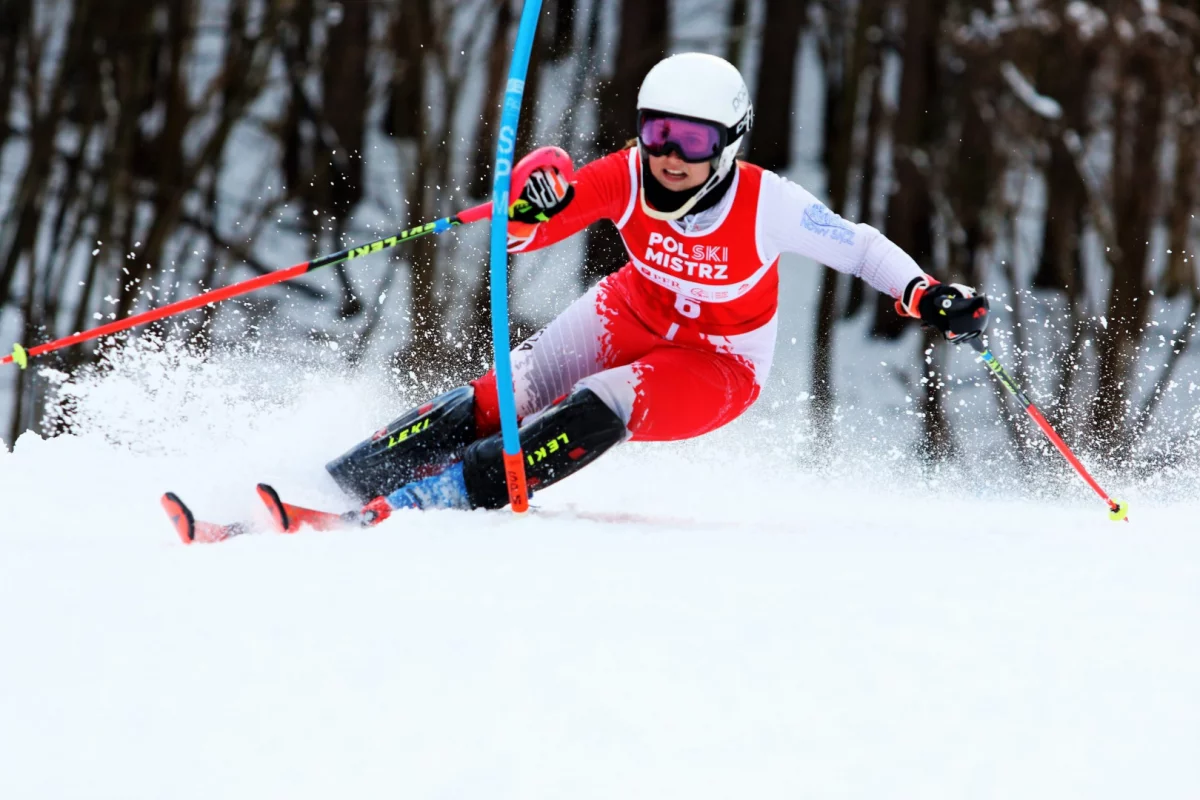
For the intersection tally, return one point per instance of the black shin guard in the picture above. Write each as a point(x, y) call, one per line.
point(426, 437)
point(561, 441)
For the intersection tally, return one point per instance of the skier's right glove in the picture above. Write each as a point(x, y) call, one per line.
point(545, 193)
point(954, 310)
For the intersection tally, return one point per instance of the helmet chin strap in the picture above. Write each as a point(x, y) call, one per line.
point(670, 216)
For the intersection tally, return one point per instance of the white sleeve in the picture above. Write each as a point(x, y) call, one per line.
point(792, 220)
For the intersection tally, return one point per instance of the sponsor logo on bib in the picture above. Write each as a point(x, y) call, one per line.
point(699, 261)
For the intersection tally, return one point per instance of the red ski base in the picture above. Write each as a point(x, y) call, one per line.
point(289, 518)
point(191, 530)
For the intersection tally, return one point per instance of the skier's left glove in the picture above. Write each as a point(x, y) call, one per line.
point(954, 310)
point(545, 193)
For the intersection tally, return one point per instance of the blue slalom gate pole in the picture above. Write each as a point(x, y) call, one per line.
point(506, 142)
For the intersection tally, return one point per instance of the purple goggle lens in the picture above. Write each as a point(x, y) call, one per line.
point(694, 141)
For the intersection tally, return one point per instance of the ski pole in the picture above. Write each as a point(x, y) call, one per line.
point(21, 356)
point(1116, 510)
point(541, 157)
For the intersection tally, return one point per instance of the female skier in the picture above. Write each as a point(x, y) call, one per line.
point(676, 343)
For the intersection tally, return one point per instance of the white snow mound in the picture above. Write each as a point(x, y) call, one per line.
point(691, 621)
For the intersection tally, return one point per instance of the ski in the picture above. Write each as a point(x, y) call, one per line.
point(290, 518)
point(287, 518)
point(192, 530)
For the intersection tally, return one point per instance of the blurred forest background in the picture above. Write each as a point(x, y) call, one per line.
point(978, 134)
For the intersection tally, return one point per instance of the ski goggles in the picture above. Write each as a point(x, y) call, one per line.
point(693, 140)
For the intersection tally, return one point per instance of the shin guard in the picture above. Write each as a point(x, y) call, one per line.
point(559, 442)
point(422, 441)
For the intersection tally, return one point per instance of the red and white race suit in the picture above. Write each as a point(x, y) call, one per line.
point(679, 341)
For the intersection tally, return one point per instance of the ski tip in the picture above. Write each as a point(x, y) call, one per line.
point(180, 516)
point(278, 510)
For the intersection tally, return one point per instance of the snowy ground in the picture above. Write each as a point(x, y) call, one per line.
point(697, 621)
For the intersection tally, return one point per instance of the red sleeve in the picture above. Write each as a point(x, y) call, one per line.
point(602, 191)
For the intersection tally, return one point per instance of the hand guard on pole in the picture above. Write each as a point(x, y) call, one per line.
point(954, 310)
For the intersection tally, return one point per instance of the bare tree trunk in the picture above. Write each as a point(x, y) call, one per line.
point(406, 95)
point(910, 209)
point(562, 30)
point(67, 226)
point(643, 43)
point(844, 64)
point(1060, 264)
point(972, 184)
point(244, 57)
point(1067, 68)
point(735, 42)
point(297, 152)
point(1135, 189)
point(424, 354)
point(167, 147)
point(20, 238)
point(937, 440)
point(25, 378)
point(14, 22)
point(876, 119)
point(774, 118)
point(344, 88)
point(569, 138)
point(489, 110)
point(527, 133)
point(46, 116)
point(1181, 276)
point(345, 105)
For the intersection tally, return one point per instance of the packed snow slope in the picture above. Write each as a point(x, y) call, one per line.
point(708, 620)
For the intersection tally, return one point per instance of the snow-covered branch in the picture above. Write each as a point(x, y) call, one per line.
point(1040, 104)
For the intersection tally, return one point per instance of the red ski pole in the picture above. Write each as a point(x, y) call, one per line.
point(1116, 510)
point(541, 157)
point(21, 356)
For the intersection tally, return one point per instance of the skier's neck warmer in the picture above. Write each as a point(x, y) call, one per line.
point(667, 200)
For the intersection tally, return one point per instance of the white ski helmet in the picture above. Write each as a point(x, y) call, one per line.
point(705, 88)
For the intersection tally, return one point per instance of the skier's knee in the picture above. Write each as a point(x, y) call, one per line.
point(615, 388)
point(427, 437)
point(560, 441)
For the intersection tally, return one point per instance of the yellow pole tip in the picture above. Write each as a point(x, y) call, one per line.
point(20, 357)
point(1120, 511)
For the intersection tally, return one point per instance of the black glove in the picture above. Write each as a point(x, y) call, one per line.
point(545, 193)
point(952, 309)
